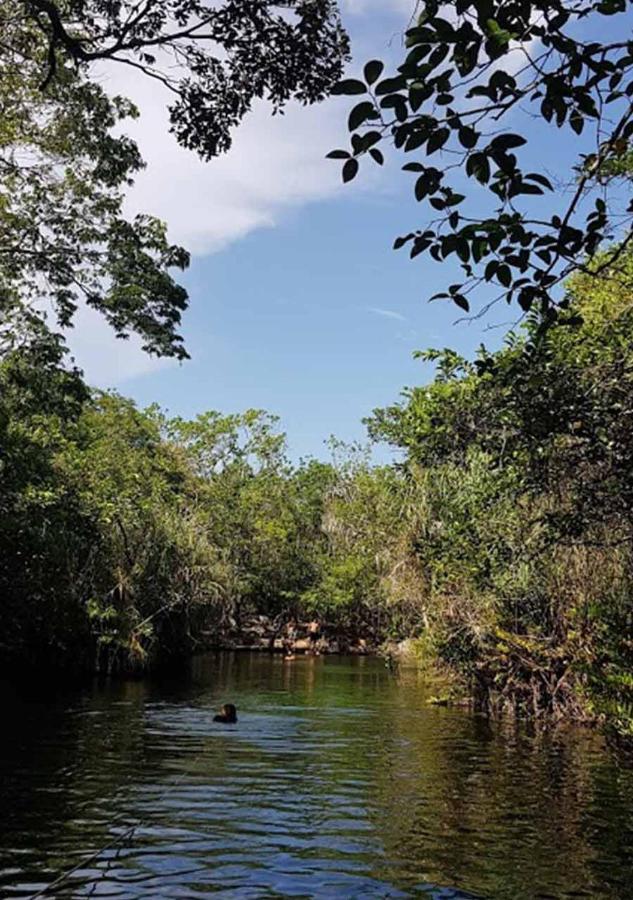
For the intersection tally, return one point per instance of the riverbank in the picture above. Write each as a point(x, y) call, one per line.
point(283, 635)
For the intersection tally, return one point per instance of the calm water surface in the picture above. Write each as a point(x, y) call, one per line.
point(338, 781)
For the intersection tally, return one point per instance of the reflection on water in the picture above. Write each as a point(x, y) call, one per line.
point(338, 781)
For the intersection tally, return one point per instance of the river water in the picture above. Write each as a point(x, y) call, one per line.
point(339, 780)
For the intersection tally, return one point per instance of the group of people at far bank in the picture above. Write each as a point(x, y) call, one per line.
point(290, 639)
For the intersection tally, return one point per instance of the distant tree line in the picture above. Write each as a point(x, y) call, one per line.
point(501, 543)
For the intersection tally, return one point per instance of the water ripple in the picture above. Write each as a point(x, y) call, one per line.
point(337, 781)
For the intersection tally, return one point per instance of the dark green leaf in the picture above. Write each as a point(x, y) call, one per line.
point(437, 140)
point(401, 241)
point(348, 87)
point(504, 275)
point(390, 85)
point(350, 170)
point(373, 70)
point(359, 114)
point(468, 137)
point(491, 269)
point(507, 141)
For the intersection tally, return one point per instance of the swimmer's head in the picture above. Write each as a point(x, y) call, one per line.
point(229, 712)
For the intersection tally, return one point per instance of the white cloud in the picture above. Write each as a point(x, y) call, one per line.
point(387, 313)
point(275, 163)
point(362, 7)
point(108, 361)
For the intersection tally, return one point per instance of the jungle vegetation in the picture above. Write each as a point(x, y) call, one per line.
point(481, 81)
point(501, 539)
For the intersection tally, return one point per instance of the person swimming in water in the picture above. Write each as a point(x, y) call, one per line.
point(227, 715)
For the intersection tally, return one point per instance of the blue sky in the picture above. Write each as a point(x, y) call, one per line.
point(298, 303)
point(314, 320)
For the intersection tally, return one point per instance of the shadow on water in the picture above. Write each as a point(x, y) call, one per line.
point(338, 780)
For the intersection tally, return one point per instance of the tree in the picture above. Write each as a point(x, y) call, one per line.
point(471, 64)
point(254, 506)
point(63, 237)
point(521, 524)
point(64, 165)
point(213, 58)
point(42, 527)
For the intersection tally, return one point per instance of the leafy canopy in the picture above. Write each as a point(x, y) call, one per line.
point(65, 165)
point(213, 58)
point(470, 66)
